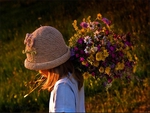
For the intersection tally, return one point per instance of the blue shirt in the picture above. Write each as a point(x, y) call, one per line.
point(65, 97)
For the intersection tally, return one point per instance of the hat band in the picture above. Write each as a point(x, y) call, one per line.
point(48, 65)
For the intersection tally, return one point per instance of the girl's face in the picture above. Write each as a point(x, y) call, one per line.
point(44, 72)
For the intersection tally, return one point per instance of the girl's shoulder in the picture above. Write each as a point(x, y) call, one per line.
point(68, 80)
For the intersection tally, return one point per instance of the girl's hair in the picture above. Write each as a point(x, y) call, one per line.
point(53, 75)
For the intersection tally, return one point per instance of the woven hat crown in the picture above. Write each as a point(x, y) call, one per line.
point(45, 49)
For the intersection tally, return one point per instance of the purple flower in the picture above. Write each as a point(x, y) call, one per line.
point(72, 52)
point(80, 40)
point(112, 48)
point(81, 59)
point(106, 32)
point(77, 55)
point(76, 48)
point(113, 66)
point(113, 55)
point(84, 24)
point(98, 48)
point(106, 21)
point(128, 64)
point(81, 51)
point(120, 53)
point(117, 75)
point(104, 83)
point(87, 54)
point(93, 74)
point(108, 44)
point(128, 43)
point(109, 80)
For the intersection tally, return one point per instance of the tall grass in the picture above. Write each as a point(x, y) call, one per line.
point(19, 17)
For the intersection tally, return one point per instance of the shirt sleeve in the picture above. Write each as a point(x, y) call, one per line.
point(64, 98)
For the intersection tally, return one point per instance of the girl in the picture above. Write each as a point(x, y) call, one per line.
point(47, 53)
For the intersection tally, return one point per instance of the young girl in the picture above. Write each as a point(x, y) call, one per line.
point(47, 53)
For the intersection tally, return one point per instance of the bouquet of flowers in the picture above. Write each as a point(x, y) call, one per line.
point(97, 51)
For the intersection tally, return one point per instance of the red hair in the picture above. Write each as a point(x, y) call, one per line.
point(53, 75)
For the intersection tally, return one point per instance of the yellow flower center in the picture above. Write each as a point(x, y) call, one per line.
point(101, 69)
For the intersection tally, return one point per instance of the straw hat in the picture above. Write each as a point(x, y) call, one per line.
point(45, 49)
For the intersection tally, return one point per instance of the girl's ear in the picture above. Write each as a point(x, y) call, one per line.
point(44, 72)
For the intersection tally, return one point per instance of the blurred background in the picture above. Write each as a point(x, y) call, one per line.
point(18, 17)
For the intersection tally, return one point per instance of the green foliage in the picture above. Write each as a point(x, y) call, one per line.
point(22, 16)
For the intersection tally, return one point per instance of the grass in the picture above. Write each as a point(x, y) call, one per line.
point(121, 97)
point(20, 17)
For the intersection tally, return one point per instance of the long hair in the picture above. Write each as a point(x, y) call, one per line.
point(53, 75)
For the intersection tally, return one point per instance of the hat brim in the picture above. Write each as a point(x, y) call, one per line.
point(47, 65)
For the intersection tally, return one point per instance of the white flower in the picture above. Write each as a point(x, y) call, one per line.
point(91, 25)
point(94, 49)
point(87, 50)
point(96, 35)
point(87, 40)
point(105, 39)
